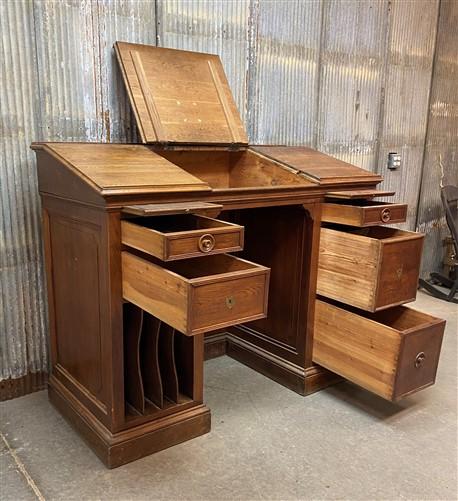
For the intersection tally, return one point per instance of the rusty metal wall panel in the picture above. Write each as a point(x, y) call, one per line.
point(68, 66)
point(127, 21)
point(213, 26)
point(440, 164)
point(283, 75)
point(60, 83)
point(82, 96)
point(407, 87)
point(23, 345)
point(352, 62)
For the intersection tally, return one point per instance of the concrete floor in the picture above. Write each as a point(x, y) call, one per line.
point(266, 443)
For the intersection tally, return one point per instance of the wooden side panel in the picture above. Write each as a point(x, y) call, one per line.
point(76, 254)
point(348, 268)
point(358, 349)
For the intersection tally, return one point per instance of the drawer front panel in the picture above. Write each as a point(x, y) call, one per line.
point(204, 244)
point(197, 299)
point(371, 269)
point(223, 303)
point(183, 236)
point(390, 353)
point(367, 214)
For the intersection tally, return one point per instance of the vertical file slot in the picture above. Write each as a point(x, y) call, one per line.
point(134, 394)
point(167, 363)
point(150, 360)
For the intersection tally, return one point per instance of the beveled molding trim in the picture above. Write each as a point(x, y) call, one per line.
point(116, 449)
point(298, 379)
point(18, 387)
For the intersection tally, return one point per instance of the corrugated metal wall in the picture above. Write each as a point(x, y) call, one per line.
point(440, 162)
point(347, 77)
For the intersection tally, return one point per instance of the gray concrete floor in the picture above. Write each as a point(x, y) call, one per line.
point(266, 443)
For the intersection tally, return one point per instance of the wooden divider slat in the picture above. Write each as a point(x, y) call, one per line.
point(167, 363)
point(134, 393)
point(150, 360)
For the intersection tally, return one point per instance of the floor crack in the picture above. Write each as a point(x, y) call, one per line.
point(23, 470)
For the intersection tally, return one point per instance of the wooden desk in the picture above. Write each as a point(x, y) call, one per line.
point(158, 253)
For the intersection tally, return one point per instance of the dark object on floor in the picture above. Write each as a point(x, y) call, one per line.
point(449, 197)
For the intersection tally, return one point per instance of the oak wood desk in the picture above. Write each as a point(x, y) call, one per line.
point(195, 242)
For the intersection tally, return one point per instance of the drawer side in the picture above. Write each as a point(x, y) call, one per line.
point(363, 351)
point(347, 268)
point(143, 239)
point(155, 290)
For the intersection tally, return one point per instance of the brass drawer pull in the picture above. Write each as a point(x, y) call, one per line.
point(419, 359)
point(206, 242)
point(385, 215)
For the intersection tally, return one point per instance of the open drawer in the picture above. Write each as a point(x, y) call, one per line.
point(392, 353)
point(181, 236)
point(197, 295)
point(370, 268)
point(363, 213)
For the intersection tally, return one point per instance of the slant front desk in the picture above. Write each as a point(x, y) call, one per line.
point(196, 243)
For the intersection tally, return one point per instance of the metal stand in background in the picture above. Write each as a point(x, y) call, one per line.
point(449, 197)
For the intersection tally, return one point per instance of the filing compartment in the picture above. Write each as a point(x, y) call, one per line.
point(370, 268)
point(363, 213)
point(181, 236)
point(391, 353)
point(197, 295)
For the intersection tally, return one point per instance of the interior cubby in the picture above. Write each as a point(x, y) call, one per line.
point(223, 169)
point(158, 365)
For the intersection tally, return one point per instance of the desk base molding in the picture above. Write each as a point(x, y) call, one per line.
point(116, 449)
point(292, 376)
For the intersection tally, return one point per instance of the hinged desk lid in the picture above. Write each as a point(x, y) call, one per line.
point(179, 97)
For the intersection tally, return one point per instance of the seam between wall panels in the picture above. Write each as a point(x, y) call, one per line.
point(317, 121)
point(381, 110)
point(428, 116)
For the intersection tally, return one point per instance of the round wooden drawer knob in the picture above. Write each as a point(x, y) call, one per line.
point(206, 243)
point(385, 215)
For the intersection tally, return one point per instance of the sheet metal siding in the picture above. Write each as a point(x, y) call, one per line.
point(60, 83)
point(23, 345)
point(283, 78)
point(441, 152)
point(350, 78)
point(407, 86)
point(352, 55)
